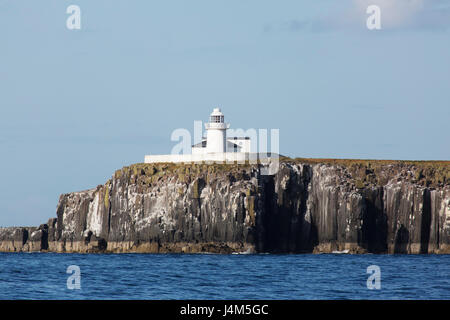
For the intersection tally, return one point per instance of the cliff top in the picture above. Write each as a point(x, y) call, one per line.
point(426, 173)
point(363, 172)
point(347, 162)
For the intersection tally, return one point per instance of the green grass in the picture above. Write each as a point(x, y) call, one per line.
point(362, 171)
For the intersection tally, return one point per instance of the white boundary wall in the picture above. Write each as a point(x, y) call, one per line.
point(219, 157)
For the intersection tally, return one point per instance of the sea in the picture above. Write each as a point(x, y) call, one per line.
point(215, 276)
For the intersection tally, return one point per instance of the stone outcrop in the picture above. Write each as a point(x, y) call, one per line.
point(306, 206)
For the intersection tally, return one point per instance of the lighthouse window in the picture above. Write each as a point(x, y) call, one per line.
point(217, 119)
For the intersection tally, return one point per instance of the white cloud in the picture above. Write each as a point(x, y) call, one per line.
point(412, 15)
point(394, 13)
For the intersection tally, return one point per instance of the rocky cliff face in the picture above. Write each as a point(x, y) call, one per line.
point(307, 206)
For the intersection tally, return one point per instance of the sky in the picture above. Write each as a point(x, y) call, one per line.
point(76, 105)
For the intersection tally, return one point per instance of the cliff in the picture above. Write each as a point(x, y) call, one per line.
point(319, 205)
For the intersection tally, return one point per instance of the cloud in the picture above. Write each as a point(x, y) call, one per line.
point(414, 15)
point(396, 15)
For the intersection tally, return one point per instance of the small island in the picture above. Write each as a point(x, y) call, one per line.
point(308, 206)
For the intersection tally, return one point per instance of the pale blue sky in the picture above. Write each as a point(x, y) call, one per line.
point(77, 105)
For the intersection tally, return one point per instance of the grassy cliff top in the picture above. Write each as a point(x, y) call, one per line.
point(425, 173)
point(364, 172)
point(348, 162)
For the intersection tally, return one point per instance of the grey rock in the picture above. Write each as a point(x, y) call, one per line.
point(306, 206)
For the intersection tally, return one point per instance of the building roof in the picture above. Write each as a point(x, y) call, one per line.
point(200, 144)
point(217, 112)
point(233, 145)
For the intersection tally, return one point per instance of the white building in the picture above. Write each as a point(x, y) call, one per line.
point(216, 147)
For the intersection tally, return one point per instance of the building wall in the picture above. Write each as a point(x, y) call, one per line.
point(243, 143)
point(218, 157)
point(244, 146)
point(198, 150)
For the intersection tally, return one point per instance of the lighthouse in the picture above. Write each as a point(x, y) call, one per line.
point(216, 147)
point(216, 134)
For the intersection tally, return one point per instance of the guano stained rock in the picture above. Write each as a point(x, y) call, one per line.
point(307, 206)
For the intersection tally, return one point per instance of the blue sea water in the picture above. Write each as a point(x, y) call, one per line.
point(211, 276)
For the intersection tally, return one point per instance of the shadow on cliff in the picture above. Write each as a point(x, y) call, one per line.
point(283, 227)
point(374, 229)
point(425, 225)
point(286, 226)
point(401, 240)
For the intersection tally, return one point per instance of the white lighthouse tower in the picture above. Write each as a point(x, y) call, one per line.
point(216, 136)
